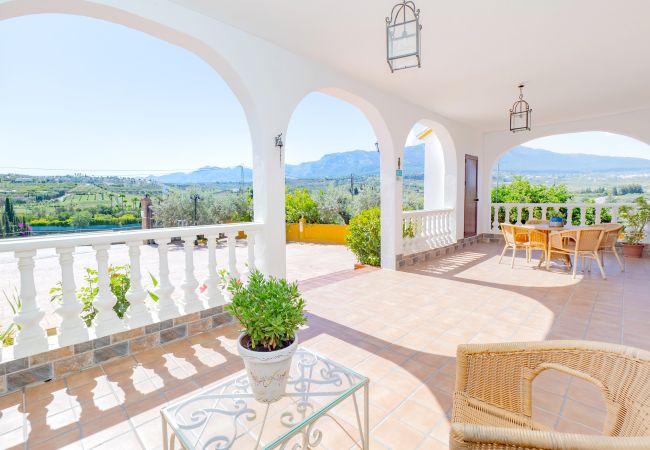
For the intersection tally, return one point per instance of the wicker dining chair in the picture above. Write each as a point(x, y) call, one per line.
point(493, 400)
point(579, 243)
point(516, 238)
point(608, 244)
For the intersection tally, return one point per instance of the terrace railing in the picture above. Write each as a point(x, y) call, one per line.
point(581, 213)
point(427, 229)
point(32, 339)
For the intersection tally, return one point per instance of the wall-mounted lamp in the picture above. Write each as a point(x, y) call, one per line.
point(399, 172)
point(377, 146)
point(279, 144)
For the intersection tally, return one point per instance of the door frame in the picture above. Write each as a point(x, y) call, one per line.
point(474, 158)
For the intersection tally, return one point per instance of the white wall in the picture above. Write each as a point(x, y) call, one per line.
point(269, 82)
point(633, 124)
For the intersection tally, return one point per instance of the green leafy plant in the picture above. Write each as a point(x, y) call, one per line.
point(269, 309)
point(364, 236)
point(299, 204)
point(8, 334)
point(408, 229)
point(635, 220)
point(120, 282)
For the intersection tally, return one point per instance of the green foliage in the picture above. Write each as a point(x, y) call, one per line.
point(521, 190)
point(120, 282)
point(635, 220)
point(412, 201)
point(8, 334)
point(299, 204)
point(364, 236)
point(367, 198)
point(270, 310)
point(408, 229)
point(81, 219)
point(334, 205)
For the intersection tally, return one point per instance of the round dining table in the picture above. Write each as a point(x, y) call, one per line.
point(547, 229)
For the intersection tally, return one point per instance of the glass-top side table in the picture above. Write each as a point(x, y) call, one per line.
point(226, 416)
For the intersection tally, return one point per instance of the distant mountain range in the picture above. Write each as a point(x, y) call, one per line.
point(360, 162)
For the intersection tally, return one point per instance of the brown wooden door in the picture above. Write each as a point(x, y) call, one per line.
point(471, 194)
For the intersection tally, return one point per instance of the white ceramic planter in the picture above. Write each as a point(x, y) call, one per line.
point(268, 371)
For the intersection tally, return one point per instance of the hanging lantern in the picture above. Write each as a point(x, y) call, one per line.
point(403, 36)
point(520, 113)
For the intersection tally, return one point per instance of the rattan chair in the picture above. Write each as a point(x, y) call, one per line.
point(608, 244)
point(579, 243)
point(516, 238)
point(493, 399)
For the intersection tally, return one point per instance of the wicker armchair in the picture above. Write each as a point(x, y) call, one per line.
point(493, 398)
point(517, 239)
point(581, 243)
point(608, 244)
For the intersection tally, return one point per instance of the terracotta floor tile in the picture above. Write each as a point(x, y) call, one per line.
point(396, 434)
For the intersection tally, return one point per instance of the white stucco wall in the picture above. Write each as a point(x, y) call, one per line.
point(270, 82)
point(633, 124)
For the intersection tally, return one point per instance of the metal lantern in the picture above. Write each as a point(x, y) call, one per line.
point(520, 113)
point(403, 36)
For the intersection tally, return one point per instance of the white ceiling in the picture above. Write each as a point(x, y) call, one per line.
point(578, 58)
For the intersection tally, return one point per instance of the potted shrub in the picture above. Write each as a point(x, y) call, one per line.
point(635, 220)
point(270, 311)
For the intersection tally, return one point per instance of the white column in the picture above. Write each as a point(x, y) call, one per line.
point(190, 283)
point(250, 242)
point(391, 203)
point(106, 321)
point(31, 338)
point(167, 307)
point(73, 329)
point(138, 312)
point(434, 174)
point(232, 255)
point(214, 297)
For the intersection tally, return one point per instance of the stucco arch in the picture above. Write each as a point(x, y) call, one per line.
point(17, 8)
point(441, 167)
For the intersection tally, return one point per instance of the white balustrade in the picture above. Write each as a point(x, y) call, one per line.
point(138, 313)
point(500, 210)
point(429, 228)
point(232, 256)
point(73, 329)
point(191, 300)
point(32, 339)
point(167, 307)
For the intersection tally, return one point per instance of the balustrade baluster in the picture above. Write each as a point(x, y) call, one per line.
point(583, 215)
point(232, 254)
point(614, 214)
point(167, 307)
point(190, 283)
point(598, 215)
point(106, 320)
point(73, 329)
point(31, 338)
point(250, 242)
point(138, 312)
point(214, 295)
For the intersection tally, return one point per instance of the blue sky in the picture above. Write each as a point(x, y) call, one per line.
point(83, 95)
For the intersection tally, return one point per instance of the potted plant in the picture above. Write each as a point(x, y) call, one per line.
point(635, 220)
point(556, 221)
point(270, 311)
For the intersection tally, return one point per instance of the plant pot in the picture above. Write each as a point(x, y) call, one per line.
point(633, 250)
point(268, 372)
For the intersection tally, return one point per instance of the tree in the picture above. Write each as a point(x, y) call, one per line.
point(334, 205)
point(299, 204)
point(368, 197)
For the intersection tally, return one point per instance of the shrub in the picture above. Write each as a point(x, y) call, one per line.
point(364, 236)
point(270, 310)
point(81, 219)
point(299, 204)
point(635, 220)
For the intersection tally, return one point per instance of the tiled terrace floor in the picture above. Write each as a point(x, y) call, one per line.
point(399, 328)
